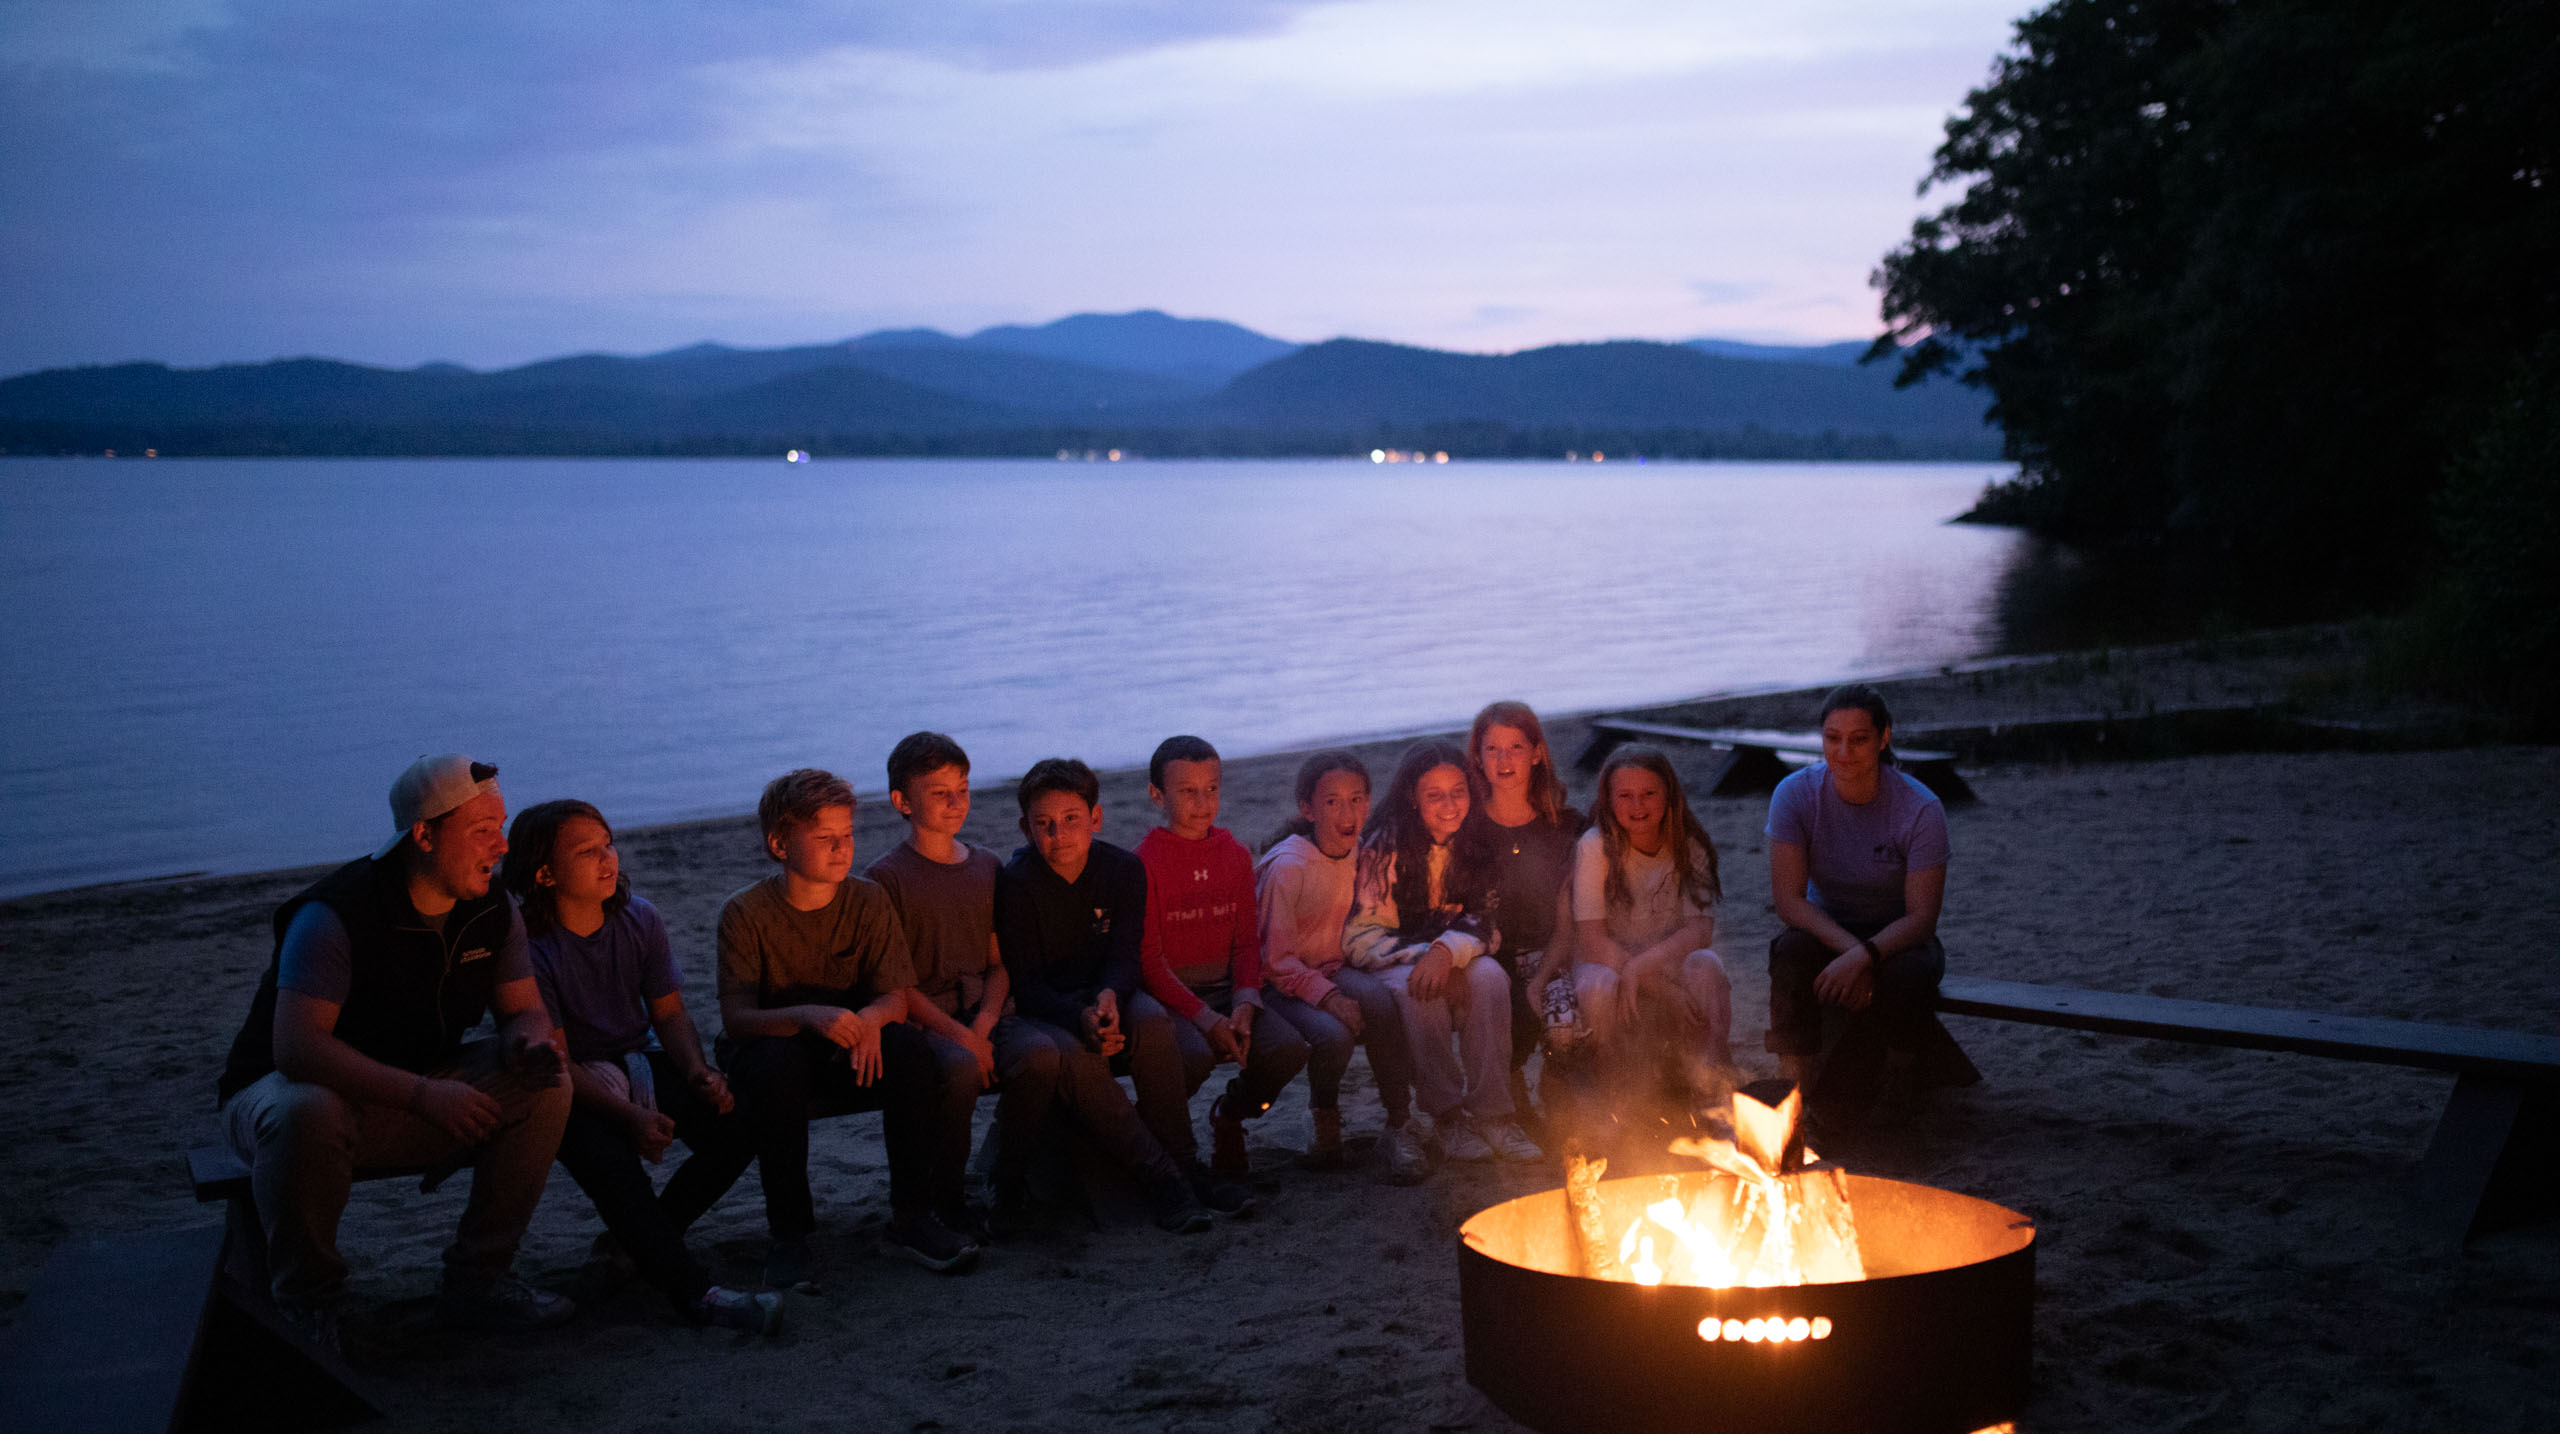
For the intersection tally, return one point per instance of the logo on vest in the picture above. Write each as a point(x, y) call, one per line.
point(476, 953)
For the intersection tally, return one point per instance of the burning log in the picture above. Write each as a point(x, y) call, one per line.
point(1771, 1220)
point(1582, 1207)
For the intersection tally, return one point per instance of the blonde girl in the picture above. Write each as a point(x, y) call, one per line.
point(1643, 965)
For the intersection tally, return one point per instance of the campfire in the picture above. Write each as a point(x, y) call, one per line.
point(1765, 1291)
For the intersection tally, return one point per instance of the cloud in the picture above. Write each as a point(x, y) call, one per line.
point(208, 179)
point(1719, 293)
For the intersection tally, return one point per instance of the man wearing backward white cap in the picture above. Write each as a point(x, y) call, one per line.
point(353, 1056)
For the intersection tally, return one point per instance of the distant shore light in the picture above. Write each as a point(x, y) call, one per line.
point(1377, 455)
point(1439, 456)
point(796, 455)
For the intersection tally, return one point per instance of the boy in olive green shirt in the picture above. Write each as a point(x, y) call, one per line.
point(813, 976)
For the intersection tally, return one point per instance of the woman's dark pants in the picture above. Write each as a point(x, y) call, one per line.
point(1903, 1016)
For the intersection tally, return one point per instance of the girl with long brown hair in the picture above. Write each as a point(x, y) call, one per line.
point(1421, 905)
point(1524, 822)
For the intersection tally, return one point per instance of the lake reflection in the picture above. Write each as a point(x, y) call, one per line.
point(220, 665)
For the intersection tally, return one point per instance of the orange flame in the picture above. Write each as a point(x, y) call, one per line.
point(1757, 1229)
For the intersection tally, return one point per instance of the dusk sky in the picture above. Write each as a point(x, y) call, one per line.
point(394, 182)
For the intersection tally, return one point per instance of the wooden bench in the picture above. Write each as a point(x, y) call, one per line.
point(1758, 759)
point(266, 1366)
point(2495, 1156)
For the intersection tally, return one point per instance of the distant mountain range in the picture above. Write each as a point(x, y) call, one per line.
point(1144, 382)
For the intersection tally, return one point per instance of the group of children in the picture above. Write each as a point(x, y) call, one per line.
point(1447, 925)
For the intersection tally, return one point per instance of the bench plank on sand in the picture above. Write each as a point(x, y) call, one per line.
point(1758, 759)
point(2495, 1156)
point(108, 1338)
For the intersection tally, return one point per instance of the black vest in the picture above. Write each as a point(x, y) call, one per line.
point(411, 992)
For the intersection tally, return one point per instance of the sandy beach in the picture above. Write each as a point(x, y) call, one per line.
point(2219, 1245)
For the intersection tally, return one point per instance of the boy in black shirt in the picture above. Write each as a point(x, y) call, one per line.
point(1070, 918)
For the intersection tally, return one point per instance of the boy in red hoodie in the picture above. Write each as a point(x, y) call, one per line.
point(1203, 954)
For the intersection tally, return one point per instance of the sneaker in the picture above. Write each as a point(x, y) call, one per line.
point(1326, 1152)
point(1524, 1111)
point(967, 1221)
point(1223, 1196)
point(1425, 1132)
point(314, 1325)
point(1461, 1141)
point(608, 1271)
point(925, 1240)
point(1226, 1142)
point(1178, 1210)
point(1408, 1161)
point(1013, 1216)
point(737, 1309)
point(1510, 1142)
point(790, 1266)
point(508, 1307)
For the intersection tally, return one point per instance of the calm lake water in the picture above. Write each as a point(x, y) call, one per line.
point(220, 665)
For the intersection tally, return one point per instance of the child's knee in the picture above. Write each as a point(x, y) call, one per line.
point(1145, 1016)
point(1282, 1038)
point(1704, 970)
point(957, 1062)
point(1034, 1066)
point(1594, 983)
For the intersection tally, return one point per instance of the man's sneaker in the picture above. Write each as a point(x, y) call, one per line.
point(1426, 1133)
point(1326, 1152)
point(316, 1325)
point(1510, 1142)
point(1178, 1211)
point(1408, 1162)
point(1460, 1141)
point(737, 1309)
point(508, 1307)
point(1223, 1196)
point(928, 1242)
point(790, 1266)
point(1226, 1142)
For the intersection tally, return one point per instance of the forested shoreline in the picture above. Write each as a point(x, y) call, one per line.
point(2264, 298)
